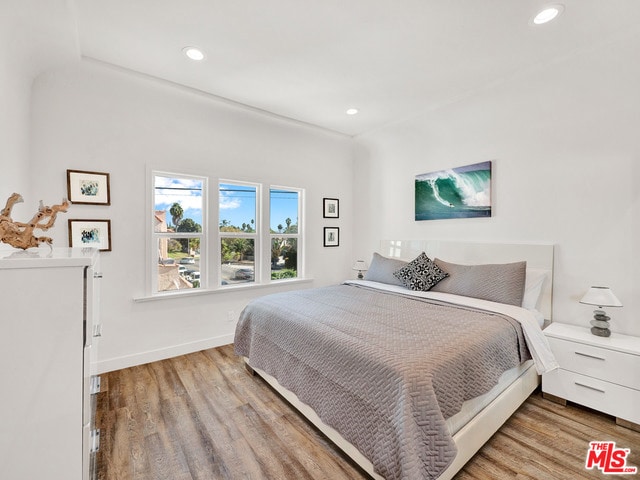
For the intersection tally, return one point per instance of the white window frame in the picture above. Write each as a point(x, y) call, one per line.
point(256, 237)
point(298, 236)
point(210, 237)
point(156, 236)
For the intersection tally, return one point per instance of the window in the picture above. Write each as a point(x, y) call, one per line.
point(237, 204)
point(178, 232)
point(258, 238)
point(284, 208)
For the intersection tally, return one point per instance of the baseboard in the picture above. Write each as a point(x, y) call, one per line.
point(118, 363)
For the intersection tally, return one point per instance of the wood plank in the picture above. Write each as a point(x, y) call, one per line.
point(628, 424)
point(203, 416)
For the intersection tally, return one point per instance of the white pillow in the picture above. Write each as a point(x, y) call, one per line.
point(533, 287)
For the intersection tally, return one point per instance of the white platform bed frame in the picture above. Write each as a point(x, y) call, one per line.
point(475, 433)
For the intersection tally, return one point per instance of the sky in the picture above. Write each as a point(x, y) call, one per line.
point(237, 202)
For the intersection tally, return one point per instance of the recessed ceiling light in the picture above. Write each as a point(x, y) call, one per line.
point(547, 14)
point(193, 53)
point(352, 111)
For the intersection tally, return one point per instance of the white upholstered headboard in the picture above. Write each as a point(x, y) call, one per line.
point(537, 256)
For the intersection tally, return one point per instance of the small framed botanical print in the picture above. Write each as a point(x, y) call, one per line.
point(91, 188)
point(331, 236)
point(330, 206)
point(90, 233)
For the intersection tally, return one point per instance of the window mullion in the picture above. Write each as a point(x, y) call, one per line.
point(265, 238)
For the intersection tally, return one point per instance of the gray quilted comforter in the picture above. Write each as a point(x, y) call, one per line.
point(385, 370)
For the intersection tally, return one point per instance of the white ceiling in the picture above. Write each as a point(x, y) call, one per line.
point(310, 60)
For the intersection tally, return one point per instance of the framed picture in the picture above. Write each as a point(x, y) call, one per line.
point(330, 208)
point(461, 192)
point(90, 233)
point(91, 188)
point(331, 237)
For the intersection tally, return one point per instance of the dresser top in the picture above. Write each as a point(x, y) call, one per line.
point(44, 257)
point(574, 333)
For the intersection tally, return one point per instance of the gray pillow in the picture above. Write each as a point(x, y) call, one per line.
point(502, 283)
point(420, 274)
point(381, 269)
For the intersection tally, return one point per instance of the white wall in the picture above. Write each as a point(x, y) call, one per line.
point(566, 150)
point(563, 139)
point(14, 128)
point(97, 118)
point(34, 36)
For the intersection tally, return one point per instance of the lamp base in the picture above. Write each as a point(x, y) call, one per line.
point(601, 332)
point(600, 324)
point(360, 276)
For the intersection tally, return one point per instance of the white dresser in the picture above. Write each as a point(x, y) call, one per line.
point(49, 327)
point(602, 373)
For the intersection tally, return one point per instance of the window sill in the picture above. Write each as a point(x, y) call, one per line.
point(197, 292)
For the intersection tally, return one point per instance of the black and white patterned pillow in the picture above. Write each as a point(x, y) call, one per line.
point(420, 274)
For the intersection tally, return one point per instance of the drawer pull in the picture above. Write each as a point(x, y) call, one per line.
point(94, 386)
point(589, 387)
point(590, 356)
point(95, 441)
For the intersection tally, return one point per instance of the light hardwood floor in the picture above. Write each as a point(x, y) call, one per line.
point(202, 416)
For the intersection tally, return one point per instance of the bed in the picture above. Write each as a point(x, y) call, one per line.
point(409, 383)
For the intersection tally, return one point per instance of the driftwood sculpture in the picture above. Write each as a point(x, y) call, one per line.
point(20, 235)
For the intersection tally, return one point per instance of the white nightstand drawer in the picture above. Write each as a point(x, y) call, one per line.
point(601, 363)
point(603, 396)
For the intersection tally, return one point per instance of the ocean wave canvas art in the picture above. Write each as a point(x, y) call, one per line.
point(462, 192)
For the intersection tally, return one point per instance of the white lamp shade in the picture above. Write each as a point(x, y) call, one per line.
point(360, 265)
point(602, 297)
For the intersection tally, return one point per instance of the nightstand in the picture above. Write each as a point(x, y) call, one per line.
point(602, 373)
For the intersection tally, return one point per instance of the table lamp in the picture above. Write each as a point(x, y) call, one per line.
point(360, 266)
point(601, 297)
